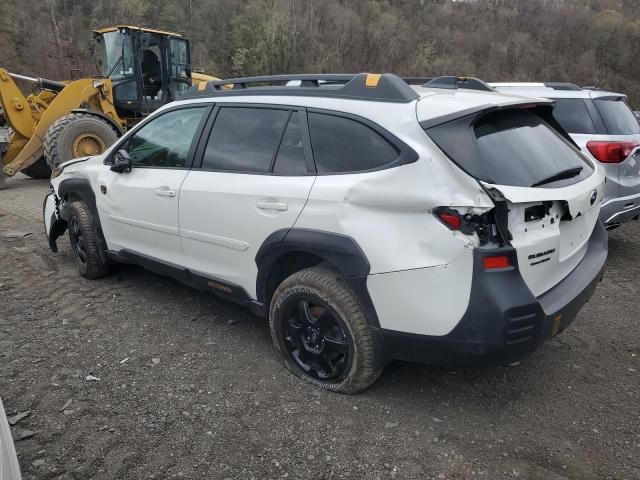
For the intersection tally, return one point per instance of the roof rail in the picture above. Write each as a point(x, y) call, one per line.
point(562, 86)
point(450, 82)
point(362, 86)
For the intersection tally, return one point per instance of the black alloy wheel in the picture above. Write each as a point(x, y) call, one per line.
point(316, 340)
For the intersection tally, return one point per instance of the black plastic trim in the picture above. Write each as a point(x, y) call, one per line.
point(340, 251)
point(82, 188)
point(390, 88)
point(504, 322)
point(200, 281)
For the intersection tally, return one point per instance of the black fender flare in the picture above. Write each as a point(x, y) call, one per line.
point(81, 187)
point(119, 130)
point(340, 251)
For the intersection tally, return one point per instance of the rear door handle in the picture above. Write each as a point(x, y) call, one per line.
point(283, 207)
point(165, 192)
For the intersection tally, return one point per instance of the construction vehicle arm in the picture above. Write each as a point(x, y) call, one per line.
point(31, 117)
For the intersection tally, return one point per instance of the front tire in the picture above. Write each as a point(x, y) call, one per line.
point(321, 332)
point(86, 243)
point(77, 135)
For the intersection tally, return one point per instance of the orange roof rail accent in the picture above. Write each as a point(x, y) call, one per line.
point(372, 80)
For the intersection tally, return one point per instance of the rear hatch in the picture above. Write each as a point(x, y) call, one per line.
point(523, 159)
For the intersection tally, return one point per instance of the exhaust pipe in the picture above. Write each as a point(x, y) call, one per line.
point(42, 83)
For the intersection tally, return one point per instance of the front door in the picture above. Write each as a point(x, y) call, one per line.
point(139, 209)
point(255, 179)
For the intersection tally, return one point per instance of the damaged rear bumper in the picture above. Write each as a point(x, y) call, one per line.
point(54, 226)
point(504, 320)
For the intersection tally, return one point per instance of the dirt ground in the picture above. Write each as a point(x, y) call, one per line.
point(190, 386)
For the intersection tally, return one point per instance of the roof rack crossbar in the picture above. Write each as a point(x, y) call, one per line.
point(363, 86)
point(454, 82)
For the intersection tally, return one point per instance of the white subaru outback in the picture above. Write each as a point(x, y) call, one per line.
point(368, 219)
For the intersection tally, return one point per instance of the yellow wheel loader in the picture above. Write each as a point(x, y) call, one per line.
point(140, 70)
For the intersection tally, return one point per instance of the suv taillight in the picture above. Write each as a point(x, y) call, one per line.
point(611, 152)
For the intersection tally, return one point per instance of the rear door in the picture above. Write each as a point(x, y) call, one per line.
point(254, 178)
point(552, 192)
point(139, 209)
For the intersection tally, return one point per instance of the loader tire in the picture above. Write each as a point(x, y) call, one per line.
point(39, 169)
point(77, 135)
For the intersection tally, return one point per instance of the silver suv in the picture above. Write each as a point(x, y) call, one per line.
point(604, 127)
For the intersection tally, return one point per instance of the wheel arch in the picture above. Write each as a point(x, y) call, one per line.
point(73, 189)
point(287, 251)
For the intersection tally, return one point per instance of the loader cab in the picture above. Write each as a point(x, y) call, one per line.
point(148, 68)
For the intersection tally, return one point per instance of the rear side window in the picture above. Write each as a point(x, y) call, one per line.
point(244, 139)
point(573, 116)
point(343, 145)
point(617, 116)
point(511, 147)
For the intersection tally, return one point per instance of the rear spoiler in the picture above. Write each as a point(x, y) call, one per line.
point(542, 108)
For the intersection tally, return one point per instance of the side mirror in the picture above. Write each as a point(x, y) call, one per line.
point(121, 162)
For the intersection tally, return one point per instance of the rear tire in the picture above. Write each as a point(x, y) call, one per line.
point(86, 242)
point(321, 332)
point(39, 169)
point(77, 135)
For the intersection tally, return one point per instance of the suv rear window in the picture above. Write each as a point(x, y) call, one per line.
point(573, 116)
point(511, 147)
point(617, 116)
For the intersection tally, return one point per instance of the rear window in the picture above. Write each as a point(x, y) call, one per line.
point(617, 116)
point(511, 147)
point(573, 116)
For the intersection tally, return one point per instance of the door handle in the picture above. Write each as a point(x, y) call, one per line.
point(283, 207)
point(162, 192)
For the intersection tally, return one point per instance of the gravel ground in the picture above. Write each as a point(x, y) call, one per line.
point(189, 386)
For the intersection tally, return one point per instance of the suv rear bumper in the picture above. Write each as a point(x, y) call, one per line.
point(504, 321)
point(620, 210)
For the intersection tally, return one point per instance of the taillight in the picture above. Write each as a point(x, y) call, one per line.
point(450, 219)
point(496, 262)
point(612, 152)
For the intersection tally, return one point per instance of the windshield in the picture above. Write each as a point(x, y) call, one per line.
point(617, 116)
point(117, 55)
point(511, 147)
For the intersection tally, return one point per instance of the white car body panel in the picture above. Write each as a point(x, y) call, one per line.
point(425, 301)
point(9, 467)
point(139, 211)
point(225, 218)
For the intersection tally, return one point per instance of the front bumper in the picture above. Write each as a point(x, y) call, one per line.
point(620, 210)
point(54, 226)
point(504, 321)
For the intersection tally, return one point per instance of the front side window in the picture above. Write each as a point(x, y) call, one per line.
point(244, 139)
point(165, 140)
point(343, 145)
